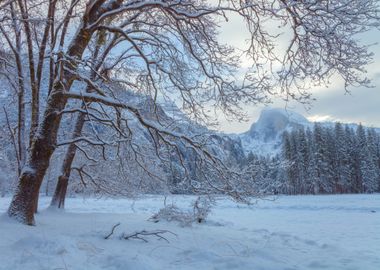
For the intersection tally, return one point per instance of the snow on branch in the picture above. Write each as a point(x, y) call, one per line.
point(90, 97)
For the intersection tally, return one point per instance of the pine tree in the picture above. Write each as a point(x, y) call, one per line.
point(342, 157)
point(302, 160)
point(312, 170)
point(361, 158)
point(370, 171)
point(321, 179)
point(288, 157)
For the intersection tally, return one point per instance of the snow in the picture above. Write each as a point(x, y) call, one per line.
point(290, 232)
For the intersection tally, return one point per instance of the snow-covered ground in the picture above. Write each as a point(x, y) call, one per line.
point(291, 232)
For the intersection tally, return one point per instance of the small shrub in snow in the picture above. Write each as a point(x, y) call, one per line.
point(173, 213)
point(201, 208)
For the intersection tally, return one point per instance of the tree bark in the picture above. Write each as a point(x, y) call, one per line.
point(22, 206)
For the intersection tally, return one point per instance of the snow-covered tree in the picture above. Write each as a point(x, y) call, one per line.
point(170, 49)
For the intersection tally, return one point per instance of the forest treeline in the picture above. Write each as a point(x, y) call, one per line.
point(324, 159)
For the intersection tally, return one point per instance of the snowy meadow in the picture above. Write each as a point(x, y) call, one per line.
point(286, 232)
point(125, 99)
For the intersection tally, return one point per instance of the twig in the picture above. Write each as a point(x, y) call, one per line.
point(140, 235)
point(13, 141)
point(112, 231)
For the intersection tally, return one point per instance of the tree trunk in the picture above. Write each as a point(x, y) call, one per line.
point(58, 200)
point(22, 206)
point(21, 127)
point(32, 72)
point(36, 202)
point(21, 93)
point(59, 196)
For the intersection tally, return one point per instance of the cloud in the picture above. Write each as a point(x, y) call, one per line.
point(362, 105)
point(321, 118)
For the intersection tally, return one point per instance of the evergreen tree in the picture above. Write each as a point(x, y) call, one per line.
point(369, 168)
point(303, 159)
point(342, 157)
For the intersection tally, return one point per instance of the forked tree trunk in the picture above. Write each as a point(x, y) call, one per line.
point(23, 204)
point(43, 144)
point(59, 196)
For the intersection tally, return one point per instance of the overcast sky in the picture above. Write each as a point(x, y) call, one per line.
point(332, 104)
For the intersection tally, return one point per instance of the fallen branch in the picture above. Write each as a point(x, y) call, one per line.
point(112, 231)
point(140, 235)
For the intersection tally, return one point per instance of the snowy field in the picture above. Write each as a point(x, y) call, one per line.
point(291, 232)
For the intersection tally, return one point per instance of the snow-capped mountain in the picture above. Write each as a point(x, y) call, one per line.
point(264, 136)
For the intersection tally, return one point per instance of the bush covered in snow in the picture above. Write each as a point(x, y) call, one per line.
point(198, 213)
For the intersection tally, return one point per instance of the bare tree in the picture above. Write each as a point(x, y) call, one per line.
point(16, 52)
point(170, 49)
point(97, 60)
